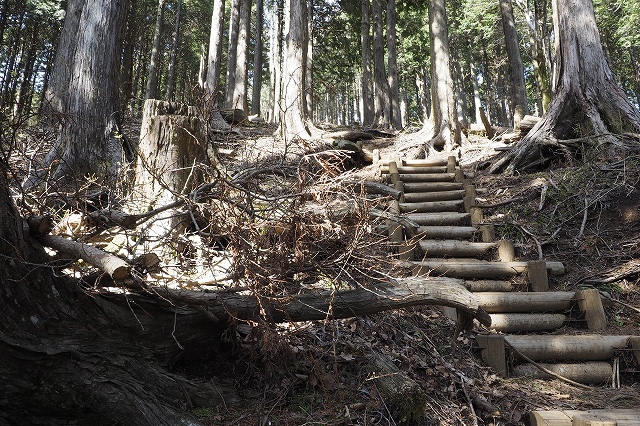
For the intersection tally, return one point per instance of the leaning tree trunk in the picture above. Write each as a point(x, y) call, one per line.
point(589, 110)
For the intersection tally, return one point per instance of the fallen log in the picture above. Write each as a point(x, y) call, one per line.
point(350, 135)
point(117, 268)
point(336, 304)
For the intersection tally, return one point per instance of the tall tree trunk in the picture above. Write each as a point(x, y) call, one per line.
point(516, 69)
point(537, 55)
point(171, 73)
point(214, 61)
point(442, 129)
point(257, 60)
point(308, 60)
point(589, 104)
point(477, 102)
point(276, 62)
point(242, 57)
point(394, 94)
point(84, 89)
point(368, 115)
point(293, 123)
point(423, 85)
point(27, 73)
point(152, 78)
point(381, 88)
point(232, 55)
point(125, 80)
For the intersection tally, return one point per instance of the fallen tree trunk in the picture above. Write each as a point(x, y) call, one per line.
point(334, 304)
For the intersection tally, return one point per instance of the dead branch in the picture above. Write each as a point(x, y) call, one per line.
point(117, 268)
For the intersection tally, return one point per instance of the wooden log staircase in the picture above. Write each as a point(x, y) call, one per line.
point(454, 240)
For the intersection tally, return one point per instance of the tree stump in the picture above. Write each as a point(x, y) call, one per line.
point(172, 151)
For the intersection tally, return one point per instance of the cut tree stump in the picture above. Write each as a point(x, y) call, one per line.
point(172, 146)
point(403, 397)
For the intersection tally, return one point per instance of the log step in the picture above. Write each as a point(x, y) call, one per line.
point(433, 206)
point(608, 417)
point(593, 373)
point(448, 232)
point(470, 268)
point(482, 286)
point(427, 177)
point(419, 197)
point(584, 347)
point(434, 219)
point(432, 186)
point(509, 323)
point(550, 301)
point(443, 248)
point(416, 169)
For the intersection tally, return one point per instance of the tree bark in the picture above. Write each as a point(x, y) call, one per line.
point(152, 78)
point(293, 122)
point(84, 90)
point(516, 69)
point(365, 39)
point(214, 60)
point(442, 129)
point(589, 105)
point(275, 61)
point(242, 56)
point(171, 73)
point(170, 154)
point(381, 89)
point(257, 60)
point(232, 55)
point(394, 94)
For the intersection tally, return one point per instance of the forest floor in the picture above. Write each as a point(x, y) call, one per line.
point(321, 375)
point(317, 373)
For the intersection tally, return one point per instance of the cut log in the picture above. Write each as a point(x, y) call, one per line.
point(433, 206)
point(510, 323)
point(444, 248)
point(417, 197)
point(416, 169)
point(432, 186)
point(447, 232)
point(594, 373)
point(469, 268)
point(117, 268)
point(435, 219)
point(323, 304)
point(427, 177)
point(586, 347)
point(403, 397)
point(497, 302)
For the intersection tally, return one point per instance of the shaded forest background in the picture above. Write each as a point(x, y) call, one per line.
point(29, 34)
